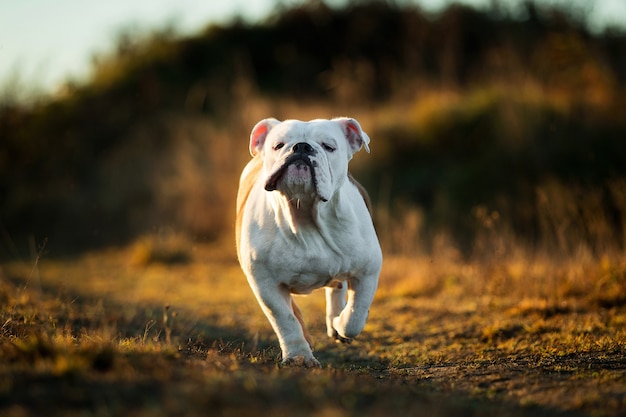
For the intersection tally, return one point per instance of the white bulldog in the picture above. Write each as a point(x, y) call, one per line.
point(304, 223)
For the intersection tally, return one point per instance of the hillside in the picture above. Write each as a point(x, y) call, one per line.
point(489, 132)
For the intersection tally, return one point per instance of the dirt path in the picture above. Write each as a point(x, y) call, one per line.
point(90, 336)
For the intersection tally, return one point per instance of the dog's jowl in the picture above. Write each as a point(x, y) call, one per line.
point(304, 223)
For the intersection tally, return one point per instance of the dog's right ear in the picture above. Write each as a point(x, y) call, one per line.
point(259, 133)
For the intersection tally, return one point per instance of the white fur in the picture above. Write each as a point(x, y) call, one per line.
point(305, 235)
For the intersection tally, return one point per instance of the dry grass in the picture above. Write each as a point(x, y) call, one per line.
point(169, 327)
point(500, 203)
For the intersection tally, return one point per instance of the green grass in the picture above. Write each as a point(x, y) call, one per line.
point(122, 332)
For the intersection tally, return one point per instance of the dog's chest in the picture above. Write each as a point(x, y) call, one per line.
point(309, 263)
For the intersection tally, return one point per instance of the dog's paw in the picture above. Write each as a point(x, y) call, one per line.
point(301, 361)
point(333, 334)
point(339, 339)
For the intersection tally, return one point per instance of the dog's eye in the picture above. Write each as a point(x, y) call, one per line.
point(328, 148)
point(278, 146)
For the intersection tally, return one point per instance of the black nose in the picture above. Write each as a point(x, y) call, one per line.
point(303, 148)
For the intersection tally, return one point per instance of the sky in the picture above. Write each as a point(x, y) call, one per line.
point(44, 43)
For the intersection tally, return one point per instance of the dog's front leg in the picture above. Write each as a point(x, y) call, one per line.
point(354, 315)
point(276, 304)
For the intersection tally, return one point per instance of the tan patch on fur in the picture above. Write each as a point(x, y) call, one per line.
point(364, 194)
point(246, 182)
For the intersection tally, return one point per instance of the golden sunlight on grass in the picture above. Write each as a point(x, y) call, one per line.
point(498, 183)
point(177, 313)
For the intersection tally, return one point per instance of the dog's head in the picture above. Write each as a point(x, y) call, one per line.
point(306, 160)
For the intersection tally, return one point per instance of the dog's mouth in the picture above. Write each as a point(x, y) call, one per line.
point(301, 161)
point(297, 159)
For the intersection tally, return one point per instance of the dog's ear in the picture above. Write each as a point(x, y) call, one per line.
point(355, 136)
point(259, 133)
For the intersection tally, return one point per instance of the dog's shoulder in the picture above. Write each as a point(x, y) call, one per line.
point(248, 178)
point(363, 192)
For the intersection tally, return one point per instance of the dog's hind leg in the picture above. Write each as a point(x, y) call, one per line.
point(335, 303)
point(352, 319)
point(298, 314)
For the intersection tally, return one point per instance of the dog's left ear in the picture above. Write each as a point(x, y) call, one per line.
point(355, 136)
point(259, 133)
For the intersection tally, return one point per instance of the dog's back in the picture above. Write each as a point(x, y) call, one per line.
point(363, 192)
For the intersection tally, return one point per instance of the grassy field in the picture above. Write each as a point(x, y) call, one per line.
point(168, 327)
point(498, 181)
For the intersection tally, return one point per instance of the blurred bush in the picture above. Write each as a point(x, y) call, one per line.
point(489, 131)
point(506, 162)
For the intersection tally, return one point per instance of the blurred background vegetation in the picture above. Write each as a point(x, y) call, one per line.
point(492, 134)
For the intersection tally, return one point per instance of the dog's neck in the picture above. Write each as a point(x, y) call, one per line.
point(308, 218)
point(302, 208)
point(298, 211)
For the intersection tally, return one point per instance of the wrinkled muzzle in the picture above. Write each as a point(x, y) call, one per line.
point(302, 169)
